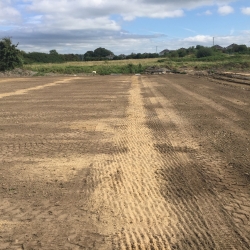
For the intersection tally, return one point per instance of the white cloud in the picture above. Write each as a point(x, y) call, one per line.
point(207, 40)
point(75, 26)
point(117, 41)
point(99, 8)
point(190, 30)
point(198, 39)
point(77, 12)
point(34, 19)
point(208, 13)
point(225, 10)
point(246, 10)
point(8, 14)
point(153, 12)
point(246, 32)
point(129, 9)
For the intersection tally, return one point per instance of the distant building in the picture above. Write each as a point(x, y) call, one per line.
point(231, 46)
point(110, 57)
point(218, 47)
point(122, 56)
point(164, 52)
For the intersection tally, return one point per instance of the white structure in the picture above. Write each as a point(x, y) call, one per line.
point(164, 52)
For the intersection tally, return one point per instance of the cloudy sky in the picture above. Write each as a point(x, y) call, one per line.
point(123, 26)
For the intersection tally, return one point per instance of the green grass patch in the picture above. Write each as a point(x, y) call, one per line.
point(102, 69)
point(133, 66)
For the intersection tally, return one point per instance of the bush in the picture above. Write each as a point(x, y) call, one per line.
point(10, 56)
point(204, 52)
point(182, 52)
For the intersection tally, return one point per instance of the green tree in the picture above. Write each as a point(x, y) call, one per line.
point(199, 47)
point(242, 49)
point(53, 52)
point(102, 52)
point(55, 57)
point(191, 50)
point(174, 54)
point(10, 56)
point(182, 52)
point(204, 52)
point(88, 55)
point(71, 57)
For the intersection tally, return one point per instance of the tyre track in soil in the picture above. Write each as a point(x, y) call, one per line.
point(181, 142)
point(229, 167)
point(45, 185)
point(156, 201)
point(25, 91)
point(129, 195)
point(153, 190)
point(228, 205)
point(11, 84)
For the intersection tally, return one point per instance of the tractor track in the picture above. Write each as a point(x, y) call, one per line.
point(124, 162)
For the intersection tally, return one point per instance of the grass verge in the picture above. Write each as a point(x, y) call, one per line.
point(232, 63)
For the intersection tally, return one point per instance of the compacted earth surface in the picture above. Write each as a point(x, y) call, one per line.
point(124, 162)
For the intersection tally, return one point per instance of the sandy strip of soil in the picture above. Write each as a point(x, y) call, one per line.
point(25, 91)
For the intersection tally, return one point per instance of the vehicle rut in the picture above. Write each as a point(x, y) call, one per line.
point(124, 162)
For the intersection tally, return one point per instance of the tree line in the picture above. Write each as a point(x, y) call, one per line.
point(11, 57)
point(104, 54)
point(202, 51)
point(52, 57)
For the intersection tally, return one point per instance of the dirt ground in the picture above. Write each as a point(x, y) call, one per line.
point(124, 162)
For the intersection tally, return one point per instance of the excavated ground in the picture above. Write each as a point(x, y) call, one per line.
point(124, 162)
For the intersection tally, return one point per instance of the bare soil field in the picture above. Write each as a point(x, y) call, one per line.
point(124, 162)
